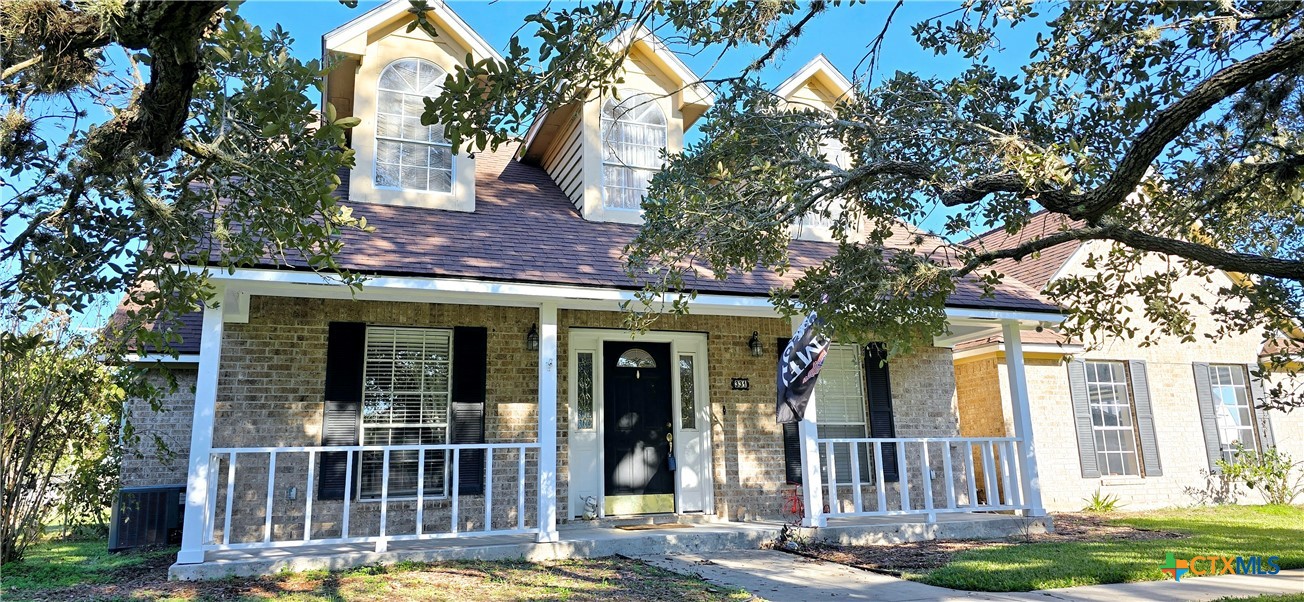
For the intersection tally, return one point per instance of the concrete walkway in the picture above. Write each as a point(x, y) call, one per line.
point(786, 577)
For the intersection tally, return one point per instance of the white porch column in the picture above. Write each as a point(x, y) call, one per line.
point(812, 489)
point(201, 436)
point(1022, 415)
point(547, 422)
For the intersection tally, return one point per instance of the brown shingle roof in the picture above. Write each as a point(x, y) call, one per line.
point(1035, 272)
point(524, 229)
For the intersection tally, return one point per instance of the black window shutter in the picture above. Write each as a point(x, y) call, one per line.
point(345, 351)
point(791, 434)
point(1145, 418)
point(470, 375)
point(878, 390)
point(1082, 420)
point(1208, 421)
point(1266, 439)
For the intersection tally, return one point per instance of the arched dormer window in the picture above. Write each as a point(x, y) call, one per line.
point(633, 134)
point(410, 155)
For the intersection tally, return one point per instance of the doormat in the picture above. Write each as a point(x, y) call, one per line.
point(651, 527)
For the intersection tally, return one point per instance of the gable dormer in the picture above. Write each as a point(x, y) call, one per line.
point(383, 74)
point(602, 152)
point(818, 86)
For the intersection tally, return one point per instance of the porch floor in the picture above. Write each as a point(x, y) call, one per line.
point(583, 540)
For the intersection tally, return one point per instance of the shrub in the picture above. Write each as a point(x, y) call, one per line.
point(1102, 504)
point(1272, 473)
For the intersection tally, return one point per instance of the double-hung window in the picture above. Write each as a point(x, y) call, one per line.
point(406, 395)
point(1110, 400)
point(633, 136)
point(840, 399)
point(1233, 411)
point(410, 155)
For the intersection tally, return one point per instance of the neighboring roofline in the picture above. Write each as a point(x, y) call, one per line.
point(379, 15)
point(584, 297)
point(820, 65)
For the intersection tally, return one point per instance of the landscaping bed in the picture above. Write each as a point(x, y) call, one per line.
point(75, 571)
point(1086, 549)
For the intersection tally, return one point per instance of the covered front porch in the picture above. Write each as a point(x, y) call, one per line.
point(254, 500)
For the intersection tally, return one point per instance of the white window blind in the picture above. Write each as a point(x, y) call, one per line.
point(410, 155)
point(840, 407)
point(406, 394)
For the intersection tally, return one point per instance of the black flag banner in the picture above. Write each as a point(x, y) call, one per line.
point(799, 367)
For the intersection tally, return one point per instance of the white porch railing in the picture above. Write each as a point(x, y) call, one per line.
point(987, 478)
point(277, 518)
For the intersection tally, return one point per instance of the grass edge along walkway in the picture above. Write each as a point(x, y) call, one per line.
point(1209, 531)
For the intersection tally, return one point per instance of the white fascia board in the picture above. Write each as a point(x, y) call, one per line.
point(1073, 260)
point(520, 294)
point(1026, 316)
point(1027, 348)
point(163, 358)
point(385, 12)
point(665, 55)
point(819, 64)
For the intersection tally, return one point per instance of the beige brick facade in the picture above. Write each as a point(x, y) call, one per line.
point(270, 393)
point(162, 436)
point(1173, 399)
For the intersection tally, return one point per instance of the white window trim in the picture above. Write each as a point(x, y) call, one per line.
point(448, 421)
point(1132, 425)
point(1253, 426)
point(377, 138)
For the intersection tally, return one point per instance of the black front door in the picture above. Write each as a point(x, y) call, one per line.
point(637, 422)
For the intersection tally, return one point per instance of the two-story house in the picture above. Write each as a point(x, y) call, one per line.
point(480, 384)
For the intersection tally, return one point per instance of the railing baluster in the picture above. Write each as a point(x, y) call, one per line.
point(348, 493)
point(855, 478)
point(903, 476)
point(879, 482)
point(384, 501)
point(989, 467)
point(925, 468)
point(488, 484)
point(210, 511)
point(308, 495)
point(421, 490)
point(970, 475)
point(230, 498)
point(949, 475)
point(520, 488)
point(456, 477)
point(271, 496)
point(1016, 489)
point(834, 507)
point(1004, 468)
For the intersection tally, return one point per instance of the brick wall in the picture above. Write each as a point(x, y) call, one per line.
point(162, 448)
point(1177, 419)
point(271, 387)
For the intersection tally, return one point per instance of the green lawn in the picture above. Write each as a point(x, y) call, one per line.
point(1213, 531)
point(84, 570)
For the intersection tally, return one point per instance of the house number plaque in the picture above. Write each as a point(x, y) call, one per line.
point(740, 384)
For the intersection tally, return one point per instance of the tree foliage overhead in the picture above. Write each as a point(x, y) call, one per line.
point(1170, 128)
point(135, 133)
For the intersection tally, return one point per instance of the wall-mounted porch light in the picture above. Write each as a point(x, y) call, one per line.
point(755, 344)
point(532, 338)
